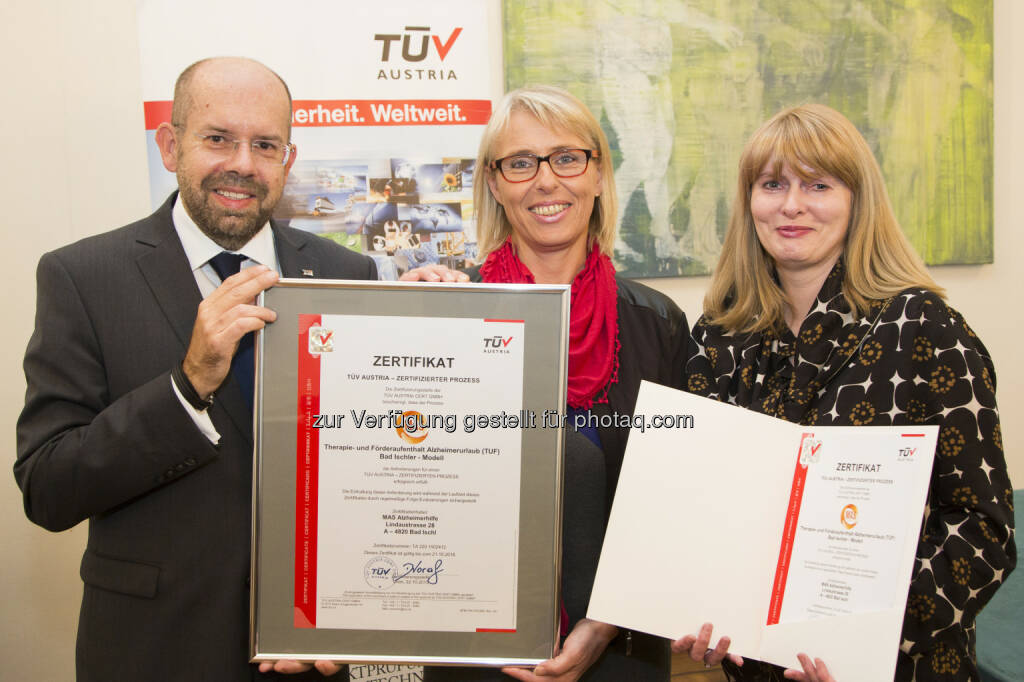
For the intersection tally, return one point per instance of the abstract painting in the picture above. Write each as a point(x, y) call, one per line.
point(679, 85)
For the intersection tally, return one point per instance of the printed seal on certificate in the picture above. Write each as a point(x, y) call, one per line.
point(402, 485)
point(380, 572)
point(321, 340)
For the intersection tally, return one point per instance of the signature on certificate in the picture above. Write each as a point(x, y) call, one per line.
point(418, 570)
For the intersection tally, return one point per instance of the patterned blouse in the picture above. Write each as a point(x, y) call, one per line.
point(911, 360)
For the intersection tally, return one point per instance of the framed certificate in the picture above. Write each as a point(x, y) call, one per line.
point(408, 478)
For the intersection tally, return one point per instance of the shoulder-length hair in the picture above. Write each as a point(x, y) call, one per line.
point(879, 262)
point(558, 110)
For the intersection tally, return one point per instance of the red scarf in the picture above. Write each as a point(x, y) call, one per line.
point(593, 320)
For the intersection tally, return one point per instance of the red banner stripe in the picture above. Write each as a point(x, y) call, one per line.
point(156, 113)
point(399, 112)
point(495, 630)
point(364, 112)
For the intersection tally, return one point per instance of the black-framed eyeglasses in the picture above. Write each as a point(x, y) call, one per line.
point(565, 163)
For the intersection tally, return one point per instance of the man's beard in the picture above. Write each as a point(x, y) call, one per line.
point(229, 229)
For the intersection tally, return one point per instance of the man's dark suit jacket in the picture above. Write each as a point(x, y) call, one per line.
point(103, 437)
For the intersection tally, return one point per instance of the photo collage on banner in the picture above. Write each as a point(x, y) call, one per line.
point(404, 212)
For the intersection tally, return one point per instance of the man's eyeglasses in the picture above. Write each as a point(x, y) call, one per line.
point(565, 163)
point(265, 150)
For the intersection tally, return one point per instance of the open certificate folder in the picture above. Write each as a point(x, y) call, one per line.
point(788, 538)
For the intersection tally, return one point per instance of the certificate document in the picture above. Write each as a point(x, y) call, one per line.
point(844, 544)
point(787, 538)
point(407, 477)
point(409, 453)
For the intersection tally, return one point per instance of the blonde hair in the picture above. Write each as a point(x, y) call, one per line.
point(558, 110)
point(744, 295)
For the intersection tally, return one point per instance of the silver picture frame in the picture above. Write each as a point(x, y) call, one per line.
point(274, 634)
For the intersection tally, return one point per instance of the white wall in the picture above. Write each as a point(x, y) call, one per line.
point(74, 164)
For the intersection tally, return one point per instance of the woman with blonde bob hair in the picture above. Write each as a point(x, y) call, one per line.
point(745, 294)
point(557, 109)
point(821, 313)
point(545, 207)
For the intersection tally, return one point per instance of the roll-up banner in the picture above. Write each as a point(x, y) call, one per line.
point(389, 101)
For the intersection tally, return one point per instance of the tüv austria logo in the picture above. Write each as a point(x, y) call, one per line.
point(416, 53)
point(497, 344)
point(380, 573)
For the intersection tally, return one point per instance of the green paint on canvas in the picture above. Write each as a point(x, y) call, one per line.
point(679, 86)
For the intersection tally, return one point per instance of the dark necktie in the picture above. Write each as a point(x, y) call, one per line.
point(227, 264)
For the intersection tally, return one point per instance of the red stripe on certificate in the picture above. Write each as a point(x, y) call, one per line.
point(307, 462)
point(512, 321)
point(343, 113)
point(796, 496)
point(494, 630)
point(912, 435)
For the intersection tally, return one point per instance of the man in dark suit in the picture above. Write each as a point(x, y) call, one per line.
point(136, 417)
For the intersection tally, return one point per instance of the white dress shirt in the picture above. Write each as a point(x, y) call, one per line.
point(199, 249)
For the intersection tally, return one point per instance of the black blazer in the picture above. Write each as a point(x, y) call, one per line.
point(103, 437)
point(654, 338)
